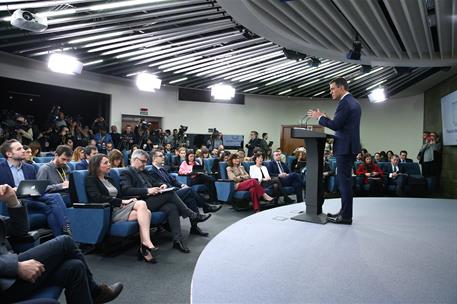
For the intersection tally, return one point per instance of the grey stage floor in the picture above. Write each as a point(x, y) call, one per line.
point(399, 250)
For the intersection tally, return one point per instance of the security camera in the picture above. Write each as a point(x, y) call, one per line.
point(29, 21)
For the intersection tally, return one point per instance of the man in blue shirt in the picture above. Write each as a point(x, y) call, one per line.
point(13, 171)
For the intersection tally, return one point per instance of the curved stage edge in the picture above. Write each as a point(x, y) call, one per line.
point(398, 250)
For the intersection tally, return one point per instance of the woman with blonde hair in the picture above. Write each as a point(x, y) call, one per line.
point(78, 154)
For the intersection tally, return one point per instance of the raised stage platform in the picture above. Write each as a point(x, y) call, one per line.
point(398, 250)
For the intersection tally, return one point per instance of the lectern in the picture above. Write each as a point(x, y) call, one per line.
point(315, 145)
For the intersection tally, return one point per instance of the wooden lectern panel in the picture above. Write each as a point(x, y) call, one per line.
point(289, 144)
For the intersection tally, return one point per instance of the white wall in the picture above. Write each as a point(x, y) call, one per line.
point(396, 124)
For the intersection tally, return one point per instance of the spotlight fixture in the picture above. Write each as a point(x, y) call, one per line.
point(356, 51)
point(148, 82)
point(294, 55)
point(314, 62)
point(222, 91)
point(377, 95)
point(64, 64)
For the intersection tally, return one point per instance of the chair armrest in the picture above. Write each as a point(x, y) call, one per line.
point(91, 206)
point(224, 190)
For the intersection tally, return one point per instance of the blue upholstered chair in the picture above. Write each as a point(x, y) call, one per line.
point(290, 159)
point(90, 223)
point(226, 190)
point(43, 159)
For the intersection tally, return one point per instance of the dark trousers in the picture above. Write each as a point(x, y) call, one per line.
point(344, 165)
point(296, 181)
point(190, 198)
point(203, 179)
point(173, 206)
point(400, 182)
point(65, 266)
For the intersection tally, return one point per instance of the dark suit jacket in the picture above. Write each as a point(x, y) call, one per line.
point(97, 192)
point(134, 183)
point(389, 169)
point(274, 170)
point(17, 225)
point(6, 177)
point(169, 179)
point(82, 165)
point(346, 124)
point(407, 160)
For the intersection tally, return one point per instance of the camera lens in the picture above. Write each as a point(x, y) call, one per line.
point(27, 16)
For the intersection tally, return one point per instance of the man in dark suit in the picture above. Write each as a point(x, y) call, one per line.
point(136, 182)
point(396, 175)
point(346, 124)
point(277, 168)
point(253, 143)
point(404, 157)
point(89, 151)
point(185, 193)
point(14, 170)
point(57, 262)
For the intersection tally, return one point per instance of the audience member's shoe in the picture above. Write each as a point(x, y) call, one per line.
point(288, 200)
point(198, 218)
point(180, 246)
point(333, 214)
point(67, 229)
point(108, 293)
point(340, 220)
point(211, 208)
point(145, 253)
point(197, 231)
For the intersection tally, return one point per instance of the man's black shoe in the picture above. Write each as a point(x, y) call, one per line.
point(340, 220)
point(108, 293)
point(200, 218)
point(333, 214)
point(288, 200)
point(211, 208)
point(197, 231)
point(180, 246)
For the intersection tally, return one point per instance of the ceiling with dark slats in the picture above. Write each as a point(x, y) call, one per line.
point(192, 43)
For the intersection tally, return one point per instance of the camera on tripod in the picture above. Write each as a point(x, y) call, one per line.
point(143, 125)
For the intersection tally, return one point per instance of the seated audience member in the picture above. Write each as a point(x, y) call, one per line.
point(377, 157)
point(277, 168)
point(215, 153)
point(396, 175)
point(136, 182)
point(89, 151)
point(100, 189)
point(197, 178)
point(389, 155)
point(36, 149)
point(359, 157)
point(223, 157)
point(283, 156)
point(242, 155)
point(29, 159)
point(69, 142)
point(404, 157)
point(364, 151)
point(57, 170)
point(56, 262)
point(13, 171)
point(185, 193)
point(109, 147)
point(383, 156)
point(373, 176)
point(260, 172)
point(78, 154)
point(116, 159)
point(204, 154)
point(168, 148)
point(243, 182)
point(299, 163)
point(181, 153)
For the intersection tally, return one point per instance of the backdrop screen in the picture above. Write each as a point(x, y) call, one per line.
point(449, 114)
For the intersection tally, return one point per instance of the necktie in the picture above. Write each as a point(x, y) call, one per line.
point(280, 167)
point(164, 175)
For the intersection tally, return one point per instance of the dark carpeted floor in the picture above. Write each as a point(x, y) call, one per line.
point(169, 280)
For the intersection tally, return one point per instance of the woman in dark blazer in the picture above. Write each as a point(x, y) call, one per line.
point(100, 189)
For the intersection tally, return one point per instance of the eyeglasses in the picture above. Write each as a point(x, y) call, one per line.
point(143, 161)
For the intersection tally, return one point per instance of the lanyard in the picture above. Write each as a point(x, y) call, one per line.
point(63, 175)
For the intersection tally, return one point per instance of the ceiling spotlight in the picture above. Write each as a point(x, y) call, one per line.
point(148, 82)
point(294, 55)
point(314, 62)
point(222, 91)
point(65, 64)
point(377, 95)
point(356, 51)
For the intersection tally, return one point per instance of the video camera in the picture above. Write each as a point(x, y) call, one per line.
point(143, 125)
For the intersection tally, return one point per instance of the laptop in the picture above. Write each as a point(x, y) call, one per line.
point(198, 169)
point(32, 188)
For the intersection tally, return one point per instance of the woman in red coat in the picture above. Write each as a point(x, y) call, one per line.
point(373, 176)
